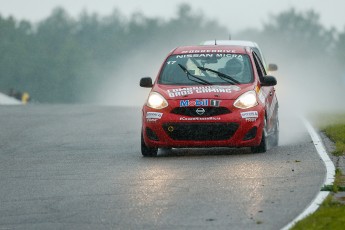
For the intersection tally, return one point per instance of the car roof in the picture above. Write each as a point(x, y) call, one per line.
point(230, 42)
point(210, 49)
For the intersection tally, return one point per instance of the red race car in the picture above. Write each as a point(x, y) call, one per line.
point(210, 96)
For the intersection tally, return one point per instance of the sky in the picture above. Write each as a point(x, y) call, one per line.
point(234, 14)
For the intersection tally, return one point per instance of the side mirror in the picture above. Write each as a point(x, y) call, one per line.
point(268, 81)
point(146, 82)
point(272, 67)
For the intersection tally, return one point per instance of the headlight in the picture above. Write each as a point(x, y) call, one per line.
point(246, 100)
point(156, 101)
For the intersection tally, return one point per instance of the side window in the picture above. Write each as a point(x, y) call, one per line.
point(258, 64)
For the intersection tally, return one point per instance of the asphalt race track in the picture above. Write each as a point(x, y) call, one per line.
point(80, 167)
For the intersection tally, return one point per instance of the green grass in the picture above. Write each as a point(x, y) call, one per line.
point(327, 119)
point(330, 215)
point(333, 125)
point(337, 134)
point(338, 185)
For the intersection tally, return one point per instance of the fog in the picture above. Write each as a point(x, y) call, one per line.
point(307, 87)
point(307, 84)
point(123, 88)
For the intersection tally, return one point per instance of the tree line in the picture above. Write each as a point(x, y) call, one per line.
point(65, 60)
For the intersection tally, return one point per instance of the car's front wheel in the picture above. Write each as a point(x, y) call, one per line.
point(262, 147)
point(147, 151)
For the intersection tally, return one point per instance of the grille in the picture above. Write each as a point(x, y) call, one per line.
point(200, 131)
point(251, 134)
point(209, 111)
point(151, 135)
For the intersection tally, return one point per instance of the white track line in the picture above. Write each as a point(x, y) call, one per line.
point(329, 179)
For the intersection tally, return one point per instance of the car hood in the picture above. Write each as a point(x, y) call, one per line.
point(224, 92)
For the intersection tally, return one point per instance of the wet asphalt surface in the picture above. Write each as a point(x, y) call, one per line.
point(80, 167)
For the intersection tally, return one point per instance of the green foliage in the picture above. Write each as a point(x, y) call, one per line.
point(295, 34)
point(330, 215)
point(337, 134)
point(333, 125)
point(301, 31)
point(64, 60)
point(338, 184)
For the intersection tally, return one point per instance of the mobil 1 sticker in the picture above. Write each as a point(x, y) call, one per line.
point(200, 102)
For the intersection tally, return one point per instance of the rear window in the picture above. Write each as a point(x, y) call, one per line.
point(237, 66)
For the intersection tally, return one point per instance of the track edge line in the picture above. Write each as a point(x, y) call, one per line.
point(329, 177)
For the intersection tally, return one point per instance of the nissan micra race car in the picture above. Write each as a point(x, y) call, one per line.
point(210, 96)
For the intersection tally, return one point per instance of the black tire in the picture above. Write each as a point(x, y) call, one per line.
point(147, 151)
point(262, 147)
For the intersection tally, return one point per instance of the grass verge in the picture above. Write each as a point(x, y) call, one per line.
point(338, 185)
point(336, 133)
point(330, 215)
point(333, 125)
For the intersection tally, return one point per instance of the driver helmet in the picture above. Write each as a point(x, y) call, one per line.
point(234, 67)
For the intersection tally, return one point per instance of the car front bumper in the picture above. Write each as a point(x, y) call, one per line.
point(239, 128)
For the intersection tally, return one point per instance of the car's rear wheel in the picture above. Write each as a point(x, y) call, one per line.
point(147, 151)
point(262, 147)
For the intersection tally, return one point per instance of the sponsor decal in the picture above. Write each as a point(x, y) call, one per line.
point(218, 55)
point(200, 102)
point(202, 89)
point(215, 103)
point(250, 114)
point(240, 57)
point(207, 51)
point(251, 119)
point(199, 118)
point(194, 55)
point(197, 102)
point(151, 120)
point(154, 115)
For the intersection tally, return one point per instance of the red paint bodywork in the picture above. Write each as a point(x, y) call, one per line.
point(264, 109)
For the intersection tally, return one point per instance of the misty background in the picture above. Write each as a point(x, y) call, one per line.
point(97, 59)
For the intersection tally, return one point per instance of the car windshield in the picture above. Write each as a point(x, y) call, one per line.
point(186, 69)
